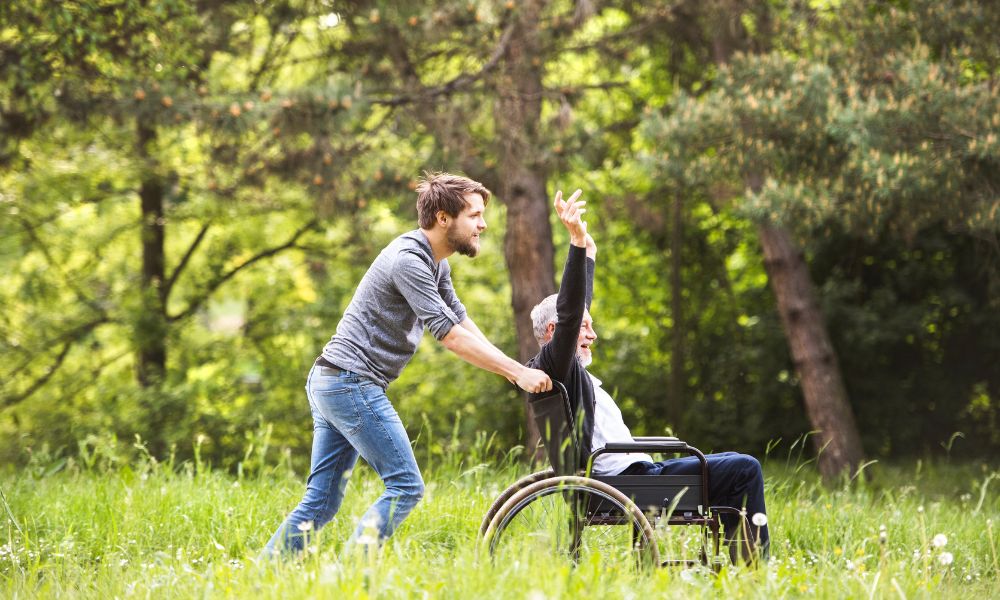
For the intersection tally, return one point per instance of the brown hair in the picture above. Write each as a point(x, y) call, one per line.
point(444, 191)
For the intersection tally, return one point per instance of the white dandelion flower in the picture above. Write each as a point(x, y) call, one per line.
point(946, 558)
point(305, 526)
point(759, 519)
point(940, 540)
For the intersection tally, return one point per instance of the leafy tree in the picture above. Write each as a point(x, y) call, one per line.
point(864, 139)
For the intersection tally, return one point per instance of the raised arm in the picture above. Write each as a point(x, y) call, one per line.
point(591, 263)
point(557, 356)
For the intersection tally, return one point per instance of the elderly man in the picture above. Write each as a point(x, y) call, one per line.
point(565, 332)
point(406, 290)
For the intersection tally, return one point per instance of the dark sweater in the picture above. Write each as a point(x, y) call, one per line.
point(558, 357)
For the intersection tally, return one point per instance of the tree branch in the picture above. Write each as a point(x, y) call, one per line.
point(71, 336)
point(184, 260)
point(38, 383)
point(68, 340)
point(458, 82)
point(224, 277)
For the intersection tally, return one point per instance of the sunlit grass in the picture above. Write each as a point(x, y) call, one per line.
point(150, 530)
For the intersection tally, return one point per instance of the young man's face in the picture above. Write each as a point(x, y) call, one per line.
point(464, 229)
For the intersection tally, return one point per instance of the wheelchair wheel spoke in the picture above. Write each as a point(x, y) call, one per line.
point(559, 521)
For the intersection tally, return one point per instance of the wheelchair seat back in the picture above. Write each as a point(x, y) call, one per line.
point(557, 428)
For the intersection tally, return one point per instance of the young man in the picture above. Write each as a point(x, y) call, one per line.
point(407, 289)
point(565, 332)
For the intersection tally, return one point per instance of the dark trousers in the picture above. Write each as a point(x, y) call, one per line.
point(734, 480)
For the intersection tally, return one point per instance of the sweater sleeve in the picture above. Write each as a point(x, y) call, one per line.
point(447, 291)
point(415, 281)
point(558, 356)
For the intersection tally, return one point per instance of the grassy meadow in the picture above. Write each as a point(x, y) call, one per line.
point(97, 526)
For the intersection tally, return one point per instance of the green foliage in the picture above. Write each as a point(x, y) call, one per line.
point(879, 149)
point(287, 137)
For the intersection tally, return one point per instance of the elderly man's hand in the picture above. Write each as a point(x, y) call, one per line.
point(571, 214)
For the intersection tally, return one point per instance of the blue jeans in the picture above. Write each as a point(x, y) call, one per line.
point(352, 416)
point(734, 480)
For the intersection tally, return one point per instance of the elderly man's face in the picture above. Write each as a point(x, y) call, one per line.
point(584, 341)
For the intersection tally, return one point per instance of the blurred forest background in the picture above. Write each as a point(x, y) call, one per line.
point(796, 202)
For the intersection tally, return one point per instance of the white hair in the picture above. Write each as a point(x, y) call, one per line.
point(543, 314)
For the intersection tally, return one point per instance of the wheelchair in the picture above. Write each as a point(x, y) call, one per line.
point(612, 519)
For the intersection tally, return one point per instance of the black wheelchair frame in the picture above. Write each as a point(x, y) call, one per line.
point(616, 499)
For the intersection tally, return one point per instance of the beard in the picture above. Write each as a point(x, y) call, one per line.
point(584, 360)
point(464, 246)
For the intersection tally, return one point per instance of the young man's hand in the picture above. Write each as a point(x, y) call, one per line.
point(534, 381)
point(571, 214)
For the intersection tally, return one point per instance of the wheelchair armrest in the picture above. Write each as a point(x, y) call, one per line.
point(666, 445)
point(654, 439)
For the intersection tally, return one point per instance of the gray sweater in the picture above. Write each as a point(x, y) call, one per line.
point(402, 292)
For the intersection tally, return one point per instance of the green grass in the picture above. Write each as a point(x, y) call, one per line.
point(147, 529)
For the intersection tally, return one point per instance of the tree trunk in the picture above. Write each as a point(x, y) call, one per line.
point(151, 325)
point(675, 402)
point(837, 442)
point(528, 245)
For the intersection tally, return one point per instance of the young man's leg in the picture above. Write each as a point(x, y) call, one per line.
point(383, 443)
point(331, 463)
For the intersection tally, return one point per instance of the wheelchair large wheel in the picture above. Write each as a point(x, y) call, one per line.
point(514, 488)
point(575, 517)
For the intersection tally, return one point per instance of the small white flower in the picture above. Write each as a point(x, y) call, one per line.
point(759, 519)
point(218, 546)
point(367, 539)
point(939, 540)
point(305, 526)
point(946, 558)
point(920, 509)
